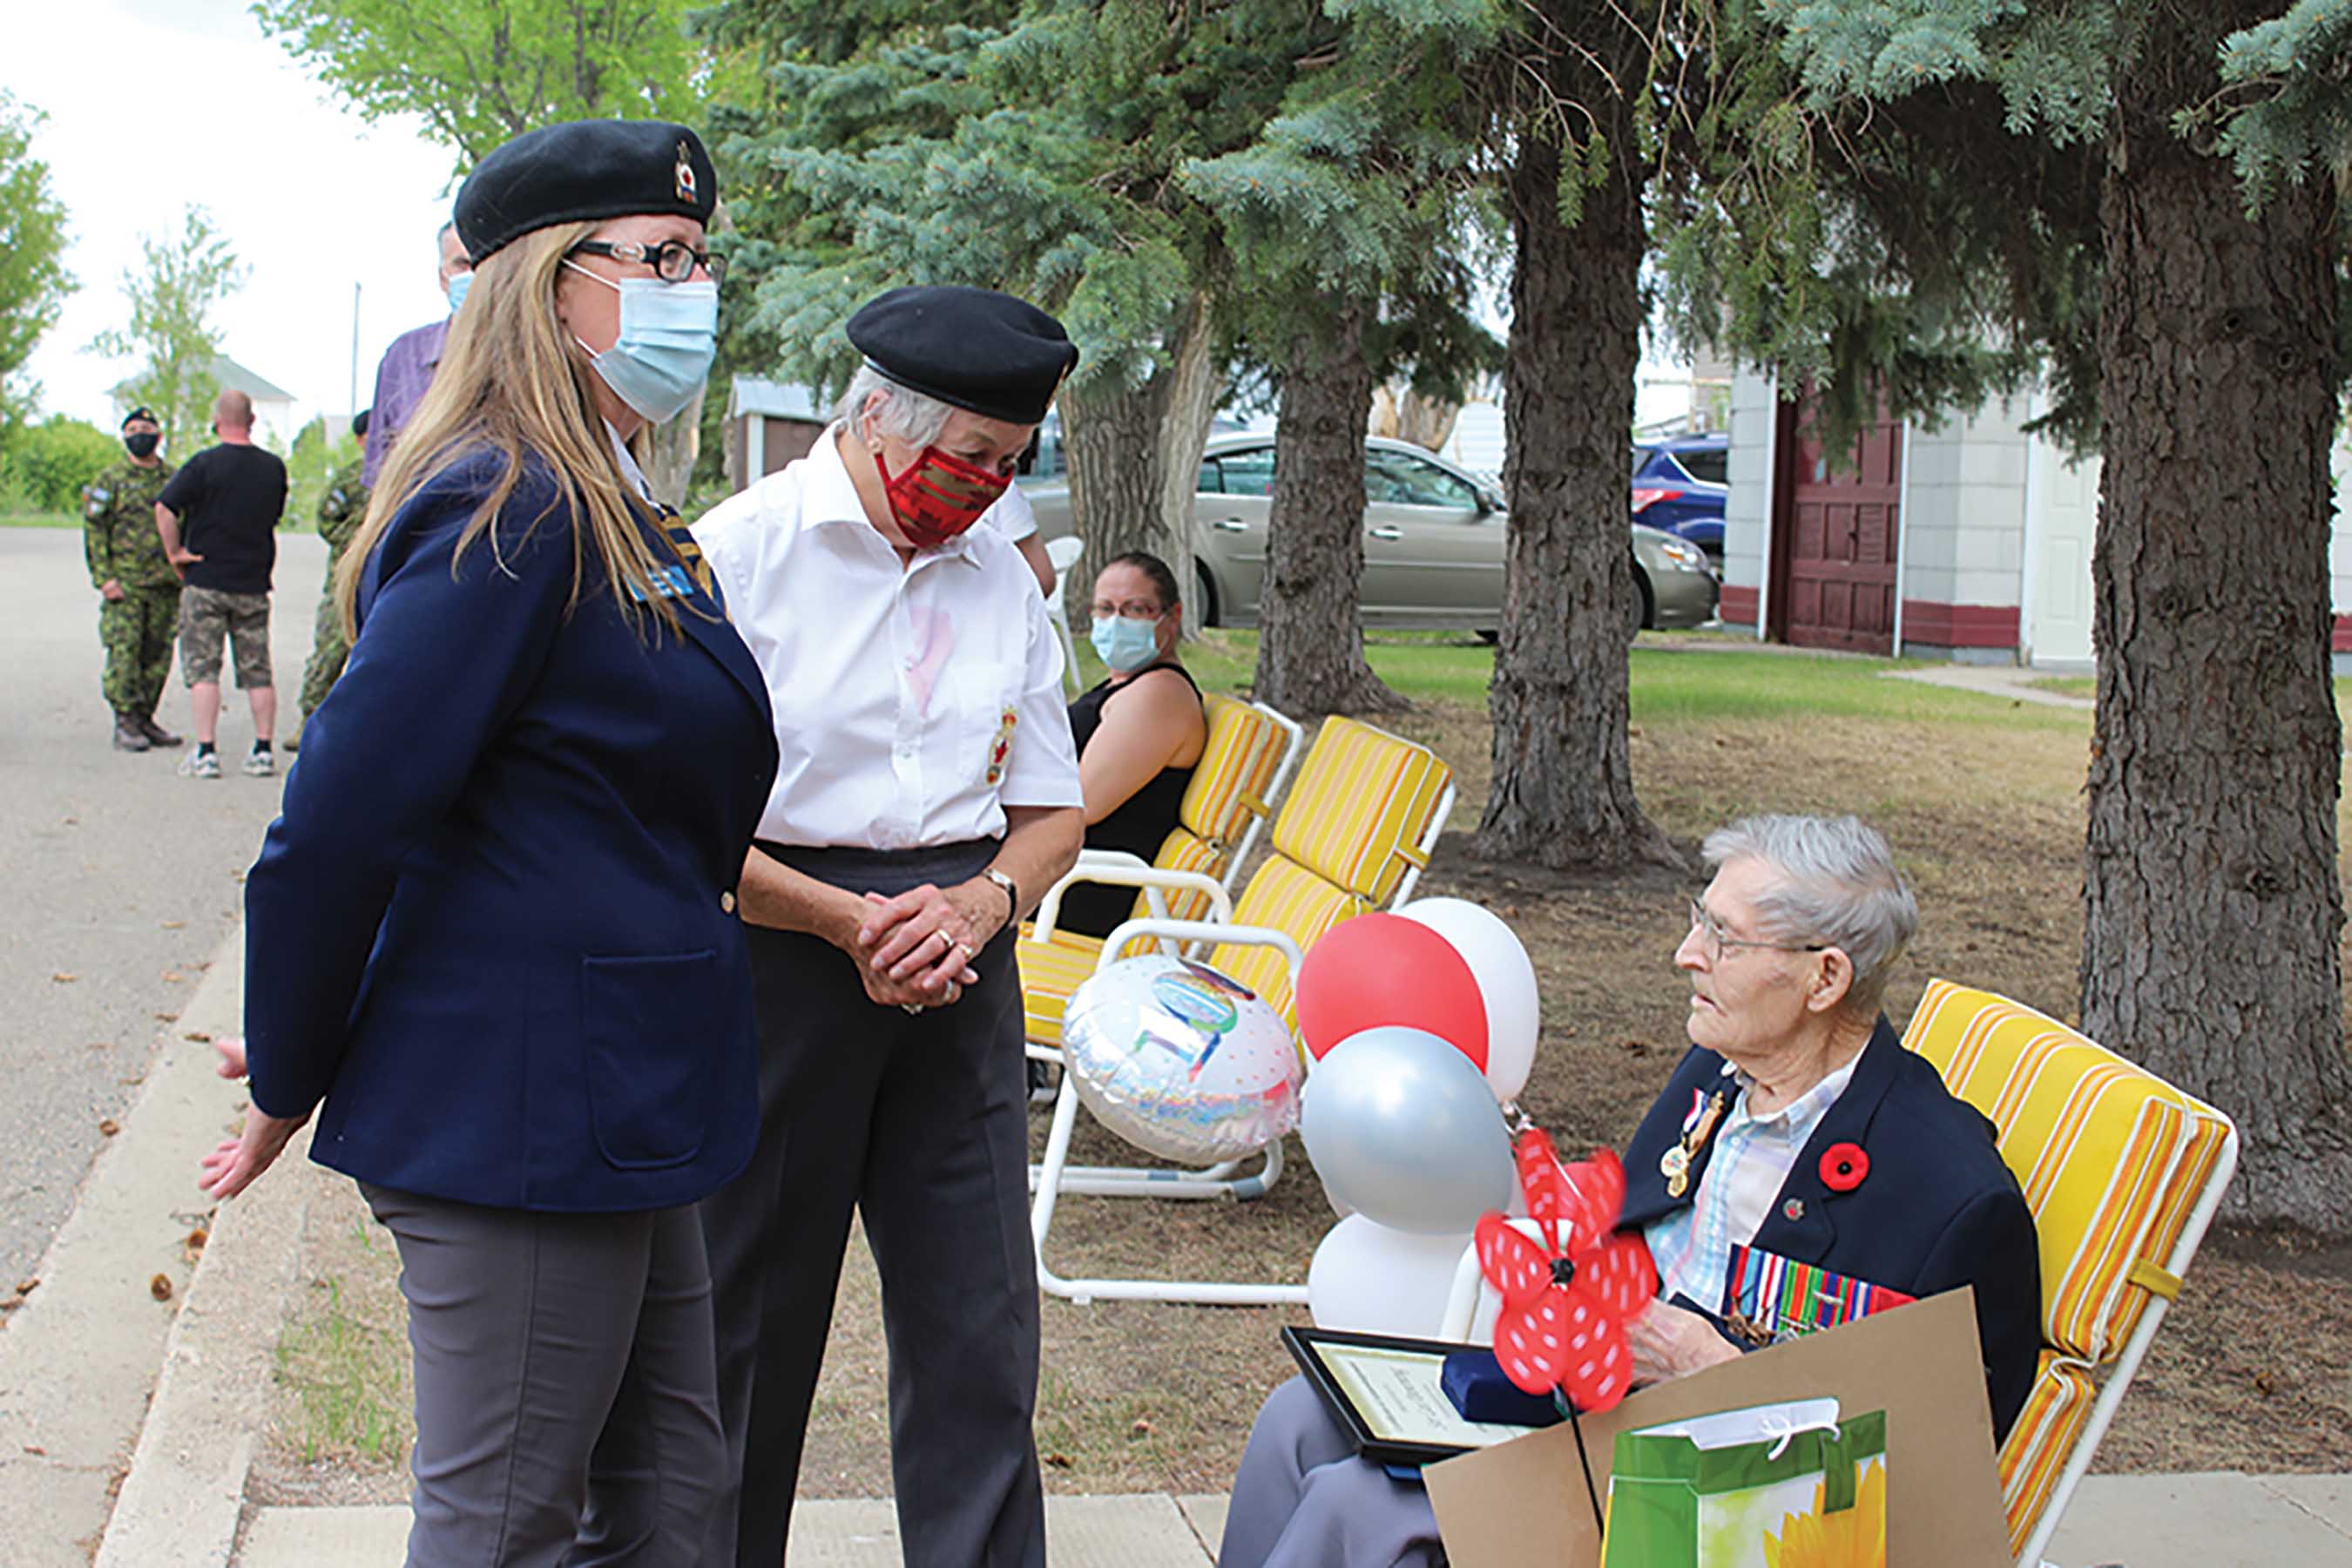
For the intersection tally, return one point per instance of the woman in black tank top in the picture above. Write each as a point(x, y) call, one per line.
point(1140, 733)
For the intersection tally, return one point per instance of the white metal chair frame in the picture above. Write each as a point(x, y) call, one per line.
point(1063, 554)
point(1054, 1176)
point(1057, 1176)
point(1470, 1292)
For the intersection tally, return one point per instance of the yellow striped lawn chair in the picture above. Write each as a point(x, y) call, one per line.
point(2122, 1172)
point(1244, 765)
point(1354, 834)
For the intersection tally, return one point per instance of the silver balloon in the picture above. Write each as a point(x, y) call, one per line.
point(1403, 1130)
point(1182, 1060)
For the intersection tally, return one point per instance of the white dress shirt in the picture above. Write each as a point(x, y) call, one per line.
point(894, 686)
point(1011, 516)
point(1753, 1156)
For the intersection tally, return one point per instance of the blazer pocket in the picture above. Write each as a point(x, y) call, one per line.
point(646, 1025)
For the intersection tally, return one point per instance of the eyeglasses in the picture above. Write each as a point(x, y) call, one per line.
point(1133, 610)
point(1718, 942)
point(672, 262)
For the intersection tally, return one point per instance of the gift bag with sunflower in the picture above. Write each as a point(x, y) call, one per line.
point(1774, 1486)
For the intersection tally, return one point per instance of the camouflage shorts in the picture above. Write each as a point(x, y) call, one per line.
point(208, 617)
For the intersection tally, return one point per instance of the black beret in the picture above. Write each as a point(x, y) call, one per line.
point(580, 170)
point(138, 413)
point(973, 348)
point(359, 422)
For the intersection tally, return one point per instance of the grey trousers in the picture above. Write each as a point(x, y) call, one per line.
point(1303, 1500)
point(566, 1404)
point(919, 1123)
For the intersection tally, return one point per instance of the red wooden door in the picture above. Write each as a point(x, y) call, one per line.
point(1834, 527)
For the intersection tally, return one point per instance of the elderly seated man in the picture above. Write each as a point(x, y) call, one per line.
point(1792, 1070)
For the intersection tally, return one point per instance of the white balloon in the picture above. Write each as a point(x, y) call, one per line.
point(1369, 1279)
point(1507, 981)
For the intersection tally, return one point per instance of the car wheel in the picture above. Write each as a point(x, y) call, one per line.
point(1202, 612)
point(1641, 611)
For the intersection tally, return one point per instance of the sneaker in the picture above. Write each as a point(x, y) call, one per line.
point(261, 764)
point(129, 736)
point(200, 766)
point(1043, 1089)
point(158, 735)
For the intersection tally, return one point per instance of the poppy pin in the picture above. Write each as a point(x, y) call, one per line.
point(1843, 1166)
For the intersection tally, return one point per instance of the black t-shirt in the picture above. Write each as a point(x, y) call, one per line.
point(228, 500)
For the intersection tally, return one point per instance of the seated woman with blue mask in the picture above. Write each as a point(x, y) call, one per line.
point(1140, 733)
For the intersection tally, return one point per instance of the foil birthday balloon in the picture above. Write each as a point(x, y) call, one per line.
point(1180, 1059)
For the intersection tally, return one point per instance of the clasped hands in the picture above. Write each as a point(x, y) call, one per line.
point(915, 950)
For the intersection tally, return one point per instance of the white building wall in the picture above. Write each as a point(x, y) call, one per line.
point(1747, 509)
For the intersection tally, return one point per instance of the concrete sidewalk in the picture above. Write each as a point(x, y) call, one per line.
point(2216, 1521)
point(1994, 680)
point(1153, 1531)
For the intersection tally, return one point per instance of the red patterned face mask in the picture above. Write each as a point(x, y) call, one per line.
point(938, 496)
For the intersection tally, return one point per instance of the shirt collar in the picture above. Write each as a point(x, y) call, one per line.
point(628, 461)
point(1800, 1114)
point(829, 497)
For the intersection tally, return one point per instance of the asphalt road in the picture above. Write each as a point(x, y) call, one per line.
point(118, 879)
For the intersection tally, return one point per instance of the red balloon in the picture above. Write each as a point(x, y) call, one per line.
point(1381, 969)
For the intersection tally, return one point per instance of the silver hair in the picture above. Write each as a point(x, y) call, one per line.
point(903, 413)
point(1837, 885)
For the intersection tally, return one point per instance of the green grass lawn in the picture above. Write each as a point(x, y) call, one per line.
point(1670, 683)
point(39, 519)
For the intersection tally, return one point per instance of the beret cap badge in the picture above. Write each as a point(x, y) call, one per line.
point(685, 174)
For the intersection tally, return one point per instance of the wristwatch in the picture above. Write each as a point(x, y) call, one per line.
point(1012, 894)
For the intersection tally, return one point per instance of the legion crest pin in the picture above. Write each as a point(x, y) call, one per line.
point(686, 188)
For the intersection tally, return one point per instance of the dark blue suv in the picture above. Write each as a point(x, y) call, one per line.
point(1679, 486)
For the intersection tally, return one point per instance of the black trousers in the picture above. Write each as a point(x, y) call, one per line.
point(919, 1122)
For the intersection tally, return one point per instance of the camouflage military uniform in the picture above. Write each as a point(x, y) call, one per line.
point(119, 539)
point(340, 511)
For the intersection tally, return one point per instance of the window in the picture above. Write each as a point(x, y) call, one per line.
point(1709, 464)
point(1248, 472)
point(1212, 479)
point(1399, 478)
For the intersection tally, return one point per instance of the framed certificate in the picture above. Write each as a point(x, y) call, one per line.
point(1387, 1393)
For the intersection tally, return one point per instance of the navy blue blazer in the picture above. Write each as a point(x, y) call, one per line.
point(495, 928)
point(1938, 1208)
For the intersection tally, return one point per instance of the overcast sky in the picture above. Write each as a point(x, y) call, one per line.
point(155, 104)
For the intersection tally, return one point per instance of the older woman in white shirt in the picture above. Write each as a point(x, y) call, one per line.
point(927, 795)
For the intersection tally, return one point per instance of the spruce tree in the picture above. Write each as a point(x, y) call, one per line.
point(2142, 192)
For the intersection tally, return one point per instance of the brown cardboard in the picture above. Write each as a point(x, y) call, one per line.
point(1522, 1503)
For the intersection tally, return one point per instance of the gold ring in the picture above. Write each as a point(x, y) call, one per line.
point(964, 948)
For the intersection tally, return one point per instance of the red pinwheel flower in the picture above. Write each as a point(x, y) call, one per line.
point(1844, 1166)
point(1566, 1304)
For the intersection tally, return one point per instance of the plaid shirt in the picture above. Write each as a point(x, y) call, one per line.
point(1753, 1156)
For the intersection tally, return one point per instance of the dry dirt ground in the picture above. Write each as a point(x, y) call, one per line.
point(2254, 1372)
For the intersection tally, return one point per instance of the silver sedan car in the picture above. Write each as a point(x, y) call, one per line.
point(1434, 542)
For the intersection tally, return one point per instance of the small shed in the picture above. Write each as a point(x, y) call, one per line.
point(775, 422)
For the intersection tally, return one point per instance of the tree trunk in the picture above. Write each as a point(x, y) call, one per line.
point(1311, 652)
point(1134, 456)
point(1562, 791)
point(2213, 906)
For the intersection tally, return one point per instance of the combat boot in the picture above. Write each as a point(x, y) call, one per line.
point(158, 735)
point(128, 734)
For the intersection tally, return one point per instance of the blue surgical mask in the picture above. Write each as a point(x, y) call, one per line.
point(457, 286)
point(1126, 645)
point(670, 335)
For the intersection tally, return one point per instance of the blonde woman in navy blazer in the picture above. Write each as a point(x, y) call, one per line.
point(495, 930)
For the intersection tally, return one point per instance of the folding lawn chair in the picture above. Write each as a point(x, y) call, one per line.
point(1356, 832)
